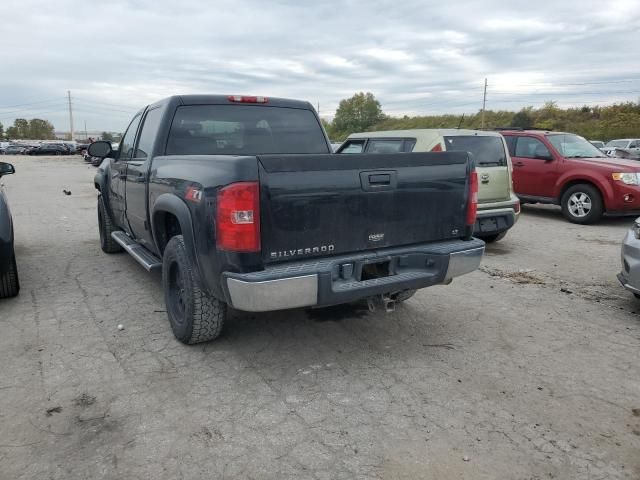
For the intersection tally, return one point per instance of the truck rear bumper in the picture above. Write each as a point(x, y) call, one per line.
point(344, 278)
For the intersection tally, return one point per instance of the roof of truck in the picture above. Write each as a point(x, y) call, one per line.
point(224, 100)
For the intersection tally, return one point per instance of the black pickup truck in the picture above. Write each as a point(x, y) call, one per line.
point(241, 203)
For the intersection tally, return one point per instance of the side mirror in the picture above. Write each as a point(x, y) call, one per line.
point(100, 149)
point(6, 169)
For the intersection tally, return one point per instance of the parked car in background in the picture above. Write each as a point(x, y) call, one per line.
point(335, 146)
point(15, 150)
point(498, 206)
point(599, 144)
point(3, 145)
point(241, 202)
point(81, 147)
point(625, 143)
point(49, 149)
point(565, 169)
point(629, 277)
point(9, 283)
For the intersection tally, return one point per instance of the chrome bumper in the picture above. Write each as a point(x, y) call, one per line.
point(261, 292)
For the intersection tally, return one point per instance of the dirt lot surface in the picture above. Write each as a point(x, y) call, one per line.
point(526, 369)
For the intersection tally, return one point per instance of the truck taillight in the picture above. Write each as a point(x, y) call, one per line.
point(247, 99)
point(472, 204)
point(238, 217)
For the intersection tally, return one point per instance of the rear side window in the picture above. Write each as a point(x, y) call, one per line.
point(148, 133)
point(486, 151)
point(384, 146)
point(353, 146)
point(511, 144)
point(244, 130)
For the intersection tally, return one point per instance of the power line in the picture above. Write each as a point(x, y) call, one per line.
point(30, 103)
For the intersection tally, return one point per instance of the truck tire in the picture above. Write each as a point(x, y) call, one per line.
point(582, 204)
point(106, 226)
point(194, 315)
point(492, 238)
point(9, 283)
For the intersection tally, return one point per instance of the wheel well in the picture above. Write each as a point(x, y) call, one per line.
point(570, 184)
point(167, 226)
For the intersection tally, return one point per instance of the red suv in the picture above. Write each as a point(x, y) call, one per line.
point(565, 169)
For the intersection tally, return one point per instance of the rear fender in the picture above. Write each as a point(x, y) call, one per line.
point(170, 203)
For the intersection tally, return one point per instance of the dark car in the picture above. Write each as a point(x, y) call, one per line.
point(15, 150)
point(49, 149)
point(9, 285)
point(81, 147)
point(242, 203)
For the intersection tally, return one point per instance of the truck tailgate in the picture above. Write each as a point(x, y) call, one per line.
point(318, 205)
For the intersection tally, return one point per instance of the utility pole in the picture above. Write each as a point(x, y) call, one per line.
point(86, 136)
point(484, 102)
point(71, 135)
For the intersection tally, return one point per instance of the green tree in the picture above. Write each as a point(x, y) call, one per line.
point(522, 119)
point(1, 131)
point(40, 129)
point(106, 136)
point(357, 114)
point(22, 127)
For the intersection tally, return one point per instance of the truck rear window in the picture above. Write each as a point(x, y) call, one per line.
point(244, 130)
point(486, 151)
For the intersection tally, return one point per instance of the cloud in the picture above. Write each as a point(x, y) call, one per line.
point(416, 56)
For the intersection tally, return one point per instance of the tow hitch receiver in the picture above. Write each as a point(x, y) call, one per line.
point(385, 301)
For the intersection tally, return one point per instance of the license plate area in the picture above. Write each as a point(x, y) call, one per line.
point(376, 270)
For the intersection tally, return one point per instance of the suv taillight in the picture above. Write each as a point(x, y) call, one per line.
point(472, 204)
point(238, 217)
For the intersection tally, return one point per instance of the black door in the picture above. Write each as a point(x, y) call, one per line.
point(137, 179)
point(119, 174)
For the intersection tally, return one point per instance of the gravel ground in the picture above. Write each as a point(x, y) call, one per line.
point(526, 369)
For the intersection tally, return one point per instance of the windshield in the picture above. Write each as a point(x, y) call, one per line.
point(244, 130)
point(618, 143)
point(488, 151)
point(573, 146)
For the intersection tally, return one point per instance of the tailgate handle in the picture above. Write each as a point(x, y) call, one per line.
point(378, 180)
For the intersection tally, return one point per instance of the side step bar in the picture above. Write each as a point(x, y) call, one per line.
point(143, 256)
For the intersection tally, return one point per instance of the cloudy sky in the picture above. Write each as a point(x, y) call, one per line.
point(417, 57)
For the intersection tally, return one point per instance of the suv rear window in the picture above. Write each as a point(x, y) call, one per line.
point(244, 130)
point(486, 151)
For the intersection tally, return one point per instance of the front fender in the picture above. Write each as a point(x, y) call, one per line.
point(100, 181)
point(584, 177)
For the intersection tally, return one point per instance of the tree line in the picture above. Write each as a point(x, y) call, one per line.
point(23, 129)
point(363, 112)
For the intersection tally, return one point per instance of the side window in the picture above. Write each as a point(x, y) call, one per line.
point(148, 133)
point(126, 144)
point(634, 144)
point(385, 146)
point(352, 146)
point(511, 144)
point(409, 143)
point(529, 147)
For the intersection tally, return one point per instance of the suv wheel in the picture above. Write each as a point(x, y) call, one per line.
point(582, 204)
point(194, 315)
point(492, 238)
point(9, 284)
